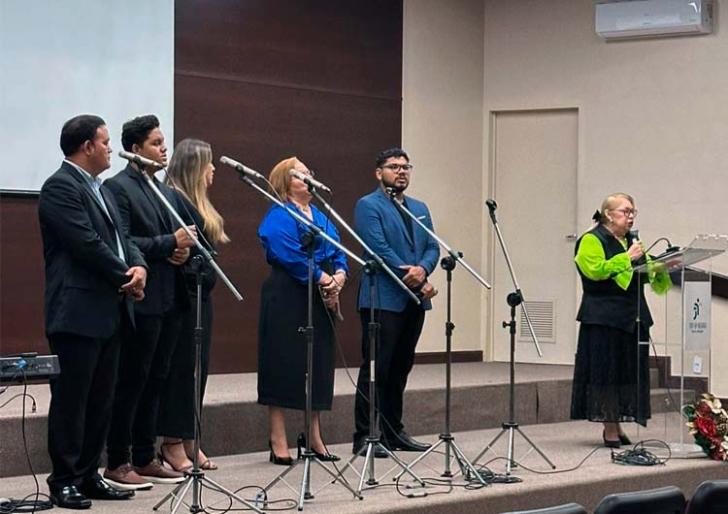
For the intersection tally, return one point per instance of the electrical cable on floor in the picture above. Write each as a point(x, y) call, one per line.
point(26, 504)
point(638, 455)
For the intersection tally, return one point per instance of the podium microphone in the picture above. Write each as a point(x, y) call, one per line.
point(492, 206)
point(240, 167)
point(140, 161)
point(309, 181)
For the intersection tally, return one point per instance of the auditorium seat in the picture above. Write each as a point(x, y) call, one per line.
point(710, 497)
point(567, 508)
point(665, 500)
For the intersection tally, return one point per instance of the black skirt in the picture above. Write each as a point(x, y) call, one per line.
point(282, 347)
point(611, 383)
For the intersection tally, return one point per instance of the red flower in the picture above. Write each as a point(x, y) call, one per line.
point(703, 409)
point(707, 427)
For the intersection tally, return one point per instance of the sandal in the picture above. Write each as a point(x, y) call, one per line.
point(205, 463)
point(164, 458)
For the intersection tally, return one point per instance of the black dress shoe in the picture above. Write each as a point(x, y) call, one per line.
point(99, 489)
point(360, 445)
point(402, 441)
point(70, 498)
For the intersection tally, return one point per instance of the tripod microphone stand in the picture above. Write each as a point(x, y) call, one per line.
point(308, 455)
point(514, 299)
point(195, 477)
point(446, 438)
point(372, 441)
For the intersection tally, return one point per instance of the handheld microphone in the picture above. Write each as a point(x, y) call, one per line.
point(492, 206)
point(241, 168)
point(635, 235)
point(140, 161)
point(309, 181)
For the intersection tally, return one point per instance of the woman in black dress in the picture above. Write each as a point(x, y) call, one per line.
point(190, 174)
point(283, 309)
point(611, 374)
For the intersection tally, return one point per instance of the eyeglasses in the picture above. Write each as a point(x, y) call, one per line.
point(627, 212)
point(396, 167)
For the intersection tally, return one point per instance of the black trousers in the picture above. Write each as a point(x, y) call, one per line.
point(80, 409)
point(398, 336)
point(176, 406)
point(143, 369)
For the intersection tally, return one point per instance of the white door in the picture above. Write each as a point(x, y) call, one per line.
point(534, 160)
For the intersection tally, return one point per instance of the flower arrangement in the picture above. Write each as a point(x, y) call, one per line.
point(708, 423)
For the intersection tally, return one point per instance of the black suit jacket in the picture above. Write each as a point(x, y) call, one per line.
point(151, 228)
point(82, 266)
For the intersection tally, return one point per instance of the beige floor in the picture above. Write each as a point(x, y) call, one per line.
point(566, 444)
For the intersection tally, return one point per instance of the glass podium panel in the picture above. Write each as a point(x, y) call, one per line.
point(680, 337)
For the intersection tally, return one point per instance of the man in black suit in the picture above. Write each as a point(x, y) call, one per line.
point(146, 354)
point(93, 275)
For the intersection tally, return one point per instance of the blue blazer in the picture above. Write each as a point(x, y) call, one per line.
point(380, 225)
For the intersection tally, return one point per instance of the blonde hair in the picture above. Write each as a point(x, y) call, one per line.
point(280, 178)
point(186, 174)
point(610, 202)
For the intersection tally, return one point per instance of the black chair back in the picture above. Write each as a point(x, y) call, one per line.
point(567, 508)
point(665, 500)
point(711, 497)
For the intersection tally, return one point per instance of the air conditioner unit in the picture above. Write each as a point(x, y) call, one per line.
point(653, 18)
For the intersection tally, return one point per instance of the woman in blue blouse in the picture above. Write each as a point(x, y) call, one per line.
point(283, 309)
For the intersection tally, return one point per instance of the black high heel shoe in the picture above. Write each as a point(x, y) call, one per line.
point(610, 443)
point(275, 459)
point(624, 439)
point(323, 457)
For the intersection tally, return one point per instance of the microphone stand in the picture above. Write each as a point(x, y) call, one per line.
point(373, 441)
point(446, 438)
point(195, 478)
point(308, 455)
point(514, 299)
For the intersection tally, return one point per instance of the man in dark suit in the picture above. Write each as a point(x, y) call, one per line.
point(411, 253)
point(93, 275)
point(146, 355)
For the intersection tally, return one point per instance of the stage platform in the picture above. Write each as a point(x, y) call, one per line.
point(234, 423)
point(566, 444)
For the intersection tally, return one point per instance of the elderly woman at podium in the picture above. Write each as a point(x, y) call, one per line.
point(611, 373)
point(282, 341)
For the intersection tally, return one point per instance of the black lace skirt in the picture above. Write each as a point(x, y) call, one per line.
point(611, 381)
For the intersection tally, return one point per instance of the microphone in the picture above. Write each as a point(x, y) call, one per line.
point(140, 161)
point(391, 192)
point(241, 168)
point(635, 235)
point(492, 206)
point(309, 181)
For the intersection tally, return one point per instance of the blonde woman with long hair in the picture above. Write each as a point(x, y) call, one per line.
point(190, 174)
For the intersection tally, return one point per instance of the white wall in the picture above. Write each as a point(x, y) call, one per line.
point(653, 121)
point(442, 129)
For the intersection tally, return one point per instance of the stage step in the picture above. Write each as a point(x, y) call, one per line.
point(233, 423)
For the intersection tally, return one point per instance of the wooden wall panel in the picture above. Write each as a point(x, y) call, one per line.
point(21, 277)
point(265, 80)
point(260, 80)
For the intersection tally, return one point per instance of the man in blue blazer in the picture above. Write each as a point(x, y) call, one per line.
point(412, 255)
point(93, 274)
